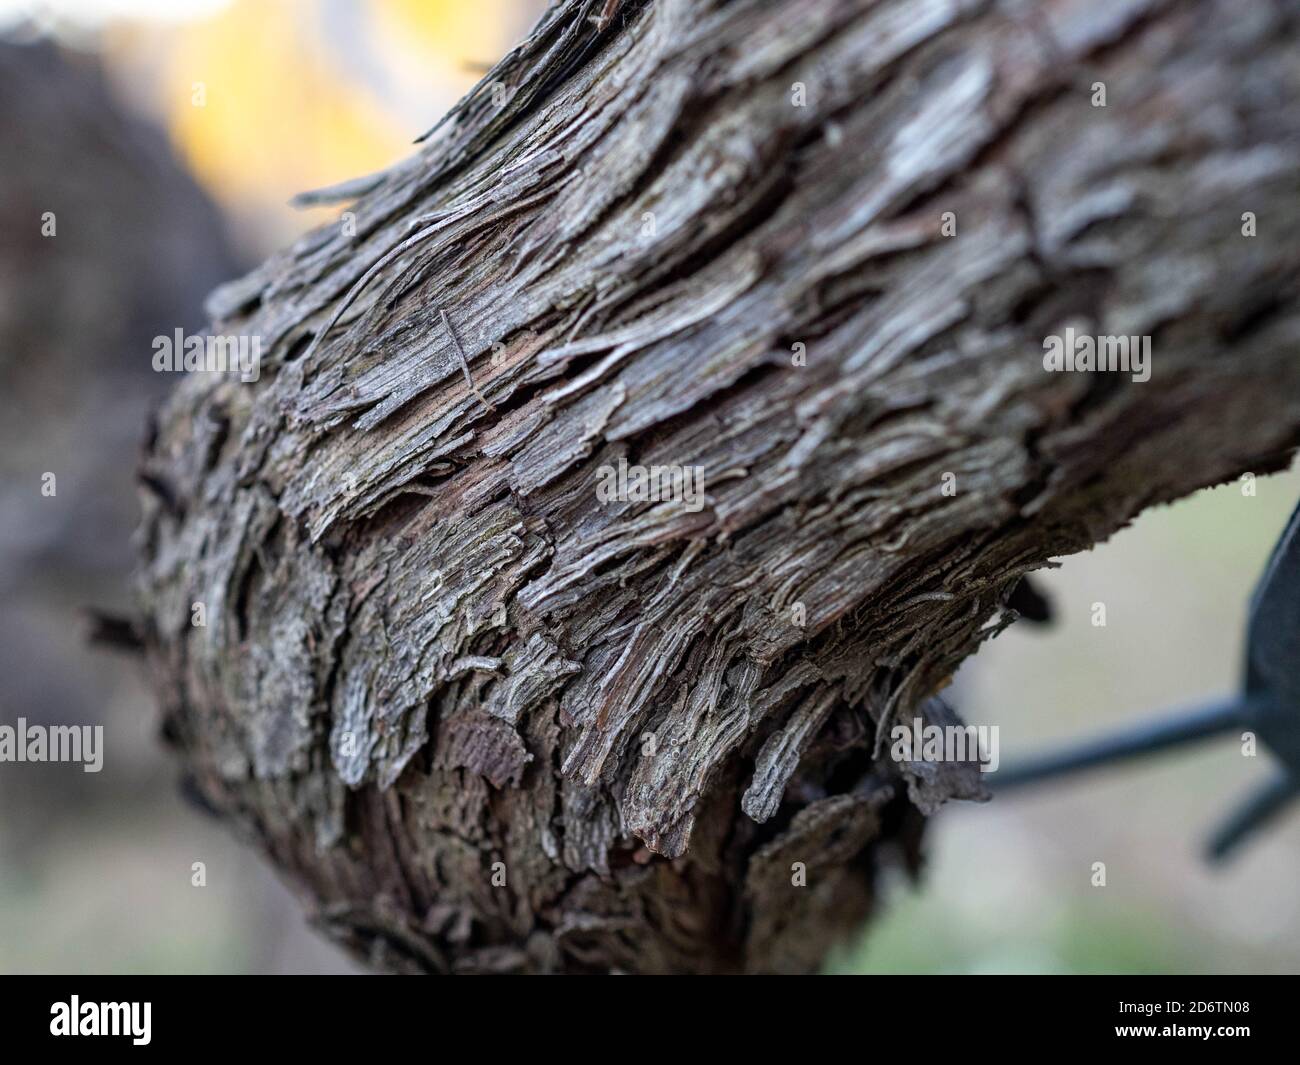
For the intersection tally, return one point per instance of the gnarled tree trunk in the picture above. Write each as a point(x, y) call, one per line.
point(490, 722)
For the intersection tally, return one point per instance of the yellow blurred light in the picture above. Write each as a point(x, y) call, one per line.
point(267, 98)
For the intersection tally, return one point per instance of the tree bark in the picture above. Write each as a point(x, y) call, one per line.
point(488, 722)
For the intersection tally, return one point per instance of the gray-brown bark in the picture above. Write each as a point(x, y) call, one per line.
point(430, 649)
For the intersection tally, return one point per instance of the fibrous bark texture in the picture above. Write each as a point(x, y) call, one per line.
point(489, 722)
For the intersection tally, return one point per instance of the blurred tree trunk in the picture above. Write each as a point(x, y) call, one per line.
point(105, 241)
point(489, 722)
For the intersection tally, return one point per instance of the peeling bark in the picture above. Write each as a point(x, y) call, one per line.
point(433, 660)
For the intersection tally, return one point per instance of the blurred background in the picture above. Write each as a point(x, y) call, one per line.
point(167, 137)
